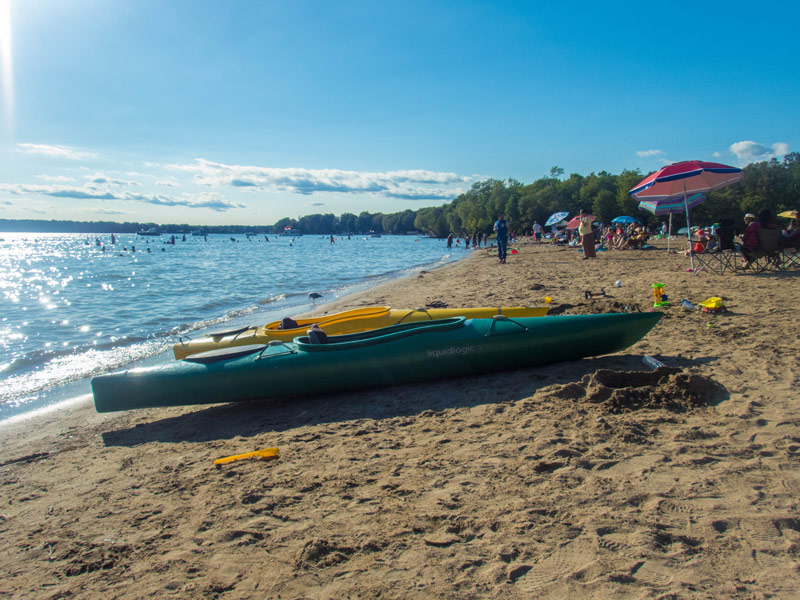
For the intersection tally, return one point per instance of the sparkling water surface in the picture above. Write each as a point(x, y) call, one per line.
point(73, 306)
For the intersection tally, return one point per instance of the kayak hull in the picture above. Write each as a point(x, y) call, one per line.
point(400, 354)
point(351, 321)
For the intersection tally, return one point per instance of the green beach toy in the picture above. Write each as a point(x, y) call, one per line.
point(659, 298)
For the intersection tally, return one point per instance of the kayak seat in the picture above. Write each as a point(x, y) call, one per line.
point(317, 336)
point(288, 323)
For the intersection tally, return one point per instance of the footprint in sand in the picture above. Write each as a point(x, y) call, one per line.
point(763, 534)
point(572, 558)
point(655, 573)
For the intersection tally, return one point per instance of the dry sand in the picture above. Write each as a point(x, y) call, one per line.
point(595, 478)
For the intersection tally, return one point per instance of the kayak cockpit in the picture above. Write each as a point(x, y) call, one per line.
point(310, 343)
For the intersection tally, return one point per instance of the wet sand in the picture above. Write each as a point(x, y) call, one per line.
point(594, 478)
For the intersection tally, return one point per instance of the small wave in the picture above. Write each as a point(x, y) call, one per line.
point(184, 328)
point(39, 358)
point(212, 305)
point(24, 388)
point(272, 299)
point(240, 312)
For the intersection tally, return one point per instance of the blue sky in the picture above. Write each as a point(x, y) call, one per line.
point(236, 112)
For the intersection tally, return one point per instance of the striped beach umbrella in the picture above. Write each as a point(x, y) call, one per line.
point(684, 179)
point(670, 206)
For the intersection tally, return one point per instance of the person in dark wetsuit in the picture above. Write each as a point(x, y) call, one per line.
point(501, 227)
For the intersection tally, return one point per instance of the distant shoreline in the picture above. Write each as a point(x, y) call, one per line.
point(107, 227)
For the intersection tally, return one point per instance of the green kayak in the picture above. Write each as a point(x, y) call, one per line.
point(399, 354)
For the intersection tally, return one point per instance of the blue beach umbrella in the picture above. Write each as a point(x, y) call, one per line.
point(555, 218)
point(625, 219)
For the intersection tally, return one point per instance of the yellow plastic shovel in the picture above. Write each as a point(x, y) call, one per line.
point(265, 453)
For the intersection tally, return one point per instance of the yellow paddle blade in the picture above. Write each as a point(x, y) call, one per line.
point(265, 453)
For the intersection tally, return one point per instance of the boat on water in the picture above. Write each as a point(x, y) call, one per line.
point(153, 231)
point(395, 355)
point(350, 321)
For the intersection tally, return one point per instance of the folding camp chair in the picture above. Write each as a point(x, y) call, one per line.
point(791, 256)
point(768, 256)
point(723, 257)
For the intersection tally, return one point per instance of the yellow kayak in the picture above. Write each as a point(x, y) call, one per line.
point(350, 321)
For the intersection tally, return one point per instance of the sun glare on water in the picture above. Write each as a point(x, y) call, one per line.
point(6, 73)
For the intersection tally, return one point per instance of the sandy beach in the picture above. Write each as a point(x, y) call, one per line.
point(598, 478)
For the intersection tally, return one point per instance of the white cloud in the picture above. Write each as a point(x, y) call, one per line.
point(410, 184)
point(167, 183)
point(101, 178)
point(209, 200)
point(55, 151)
point(58, 191)
point(780, 148)
point(649, 153)
point(55, 178)
point(748, 151)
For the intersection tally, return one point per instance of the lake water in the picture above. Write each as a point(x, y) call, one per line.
point(73, 306)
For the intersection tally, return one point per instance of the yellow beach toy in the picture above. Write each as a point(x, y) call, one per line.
point(267, 453)
point(713, 304)
point(351, 321)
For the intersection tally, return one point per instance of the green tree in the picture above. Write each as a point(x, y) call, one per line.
point(604, 207)
point(348, 223)
point(364, 223)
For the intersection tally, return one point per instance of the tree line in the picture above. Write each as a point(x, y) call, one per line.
point(773, 185)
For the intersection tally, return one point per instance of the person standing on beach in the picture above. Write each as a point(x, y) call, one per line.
point(537, 232)
point(501, 228)
point(587, 235)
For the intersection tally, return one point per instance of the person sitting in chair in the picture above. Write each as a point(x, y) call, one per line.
point(750, 235)
point(701, 243)
point(638, 238)
point(749, 238)
point(791, 235)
